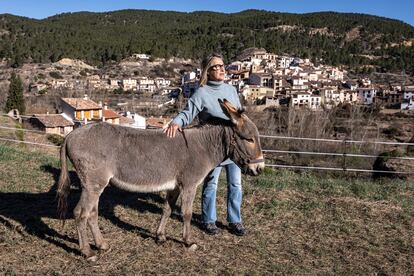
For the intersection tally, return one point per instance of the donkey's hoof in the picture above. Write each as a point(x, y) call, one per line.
point(104, 247)
point(161, 239)
point(93, 258)
point(193, 247)
point(105, 250)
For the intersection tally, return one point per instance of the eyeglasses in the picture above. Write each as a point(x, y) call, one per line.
point(216, 67)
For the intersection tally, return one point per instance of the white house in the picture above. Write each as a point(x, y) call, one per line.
point(313, 76)
point(113, 83)
point(408, 95)
point(330, 96)
point(335, 74)
point(408, 104)
point(300, 99)
point(141, 56)
point(59, 83)
point(263, 55)
point(366, 95)
point(146, 85)
point(284, 61)
point(161, 82)
point(315, 101)
point(189, 76)
point(139, 121)
point(129, 84)
point(145, 81)
point(299, 83)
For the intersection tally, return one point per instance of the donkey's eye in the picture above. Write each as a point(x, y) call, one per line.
point(249, 140)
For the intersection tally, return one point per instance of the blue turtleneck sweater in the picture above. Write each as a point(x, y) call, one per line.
point(204, 103)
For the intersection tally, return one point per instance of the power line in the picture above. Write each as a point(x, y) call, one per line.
point(275, 137)
point(27, 142)
point(335, 141)
point(335, 169)
point(335, 154)
point(23, 129)
point(15, 117)
point(267, 165)
point(34, 116)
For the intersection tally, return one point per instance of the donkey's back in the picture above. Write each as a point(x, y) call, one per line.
point(134, 159)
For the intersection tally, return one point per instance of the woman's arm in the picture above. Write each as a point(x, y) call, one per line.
point(190, 111)
point(185, 117)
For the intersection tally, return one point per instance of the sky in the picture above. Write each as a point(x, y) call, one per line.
point(396, 9)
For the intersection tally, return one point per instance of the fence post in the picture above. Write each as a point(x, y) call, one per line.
point(345, 145)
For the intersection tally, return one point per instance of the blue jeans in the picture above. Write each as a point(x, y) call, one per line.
point(234, 194)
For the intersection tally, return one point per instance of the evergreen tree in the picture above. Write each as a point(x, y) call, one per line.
point(15, 99)
point(193, 35)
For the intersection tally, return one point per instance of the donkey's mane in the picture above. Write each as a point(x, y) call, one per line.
point(214, 121)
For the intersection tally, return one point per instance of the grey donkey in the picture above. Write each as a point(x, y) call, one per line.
point(149, 161)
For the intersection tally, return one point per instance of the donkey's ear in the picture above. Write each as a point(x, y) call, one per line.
point(230, 110)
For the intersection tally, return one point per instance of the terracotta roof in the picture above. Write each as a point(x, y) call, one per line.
point(81, 104)
point(110, 114)
point(53, 120)
point(157, 122)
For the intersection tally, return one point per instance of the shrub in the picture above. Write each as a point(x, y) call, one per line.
point(118, 91)
point(55, 139)
point(390, 154)
point(392, 132)
point(55, 75)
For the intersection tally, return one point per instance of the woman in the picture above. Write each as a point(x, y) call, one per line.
point(204, 104)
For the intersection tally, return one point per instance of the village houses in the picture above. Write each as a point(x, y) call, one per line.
point(260, 79)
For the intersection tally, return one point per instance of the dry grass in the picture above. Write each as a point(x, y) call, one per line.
point(298, 224)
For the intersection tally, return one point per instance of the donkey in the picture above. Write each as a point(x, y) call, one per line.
point(155, 163)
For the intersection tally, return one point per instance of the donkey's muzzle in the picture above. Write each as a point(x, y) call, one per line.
point(256, 166)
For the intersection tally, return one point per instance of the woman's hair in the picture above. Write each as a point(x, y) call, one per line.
point(205, 65)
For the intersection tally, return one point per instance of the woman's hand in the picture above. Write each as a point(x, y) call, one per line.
point(171, 130)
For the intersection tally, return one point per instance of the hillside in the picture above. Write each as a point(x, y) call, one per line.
point(98, 38)
point(297, 223)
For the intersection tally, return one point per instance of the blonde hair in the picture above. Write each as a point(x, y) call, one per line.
point(205, 65)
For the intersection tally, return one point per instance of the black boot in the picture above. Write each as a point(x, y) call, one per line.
point(211, 228)
point(237, 229)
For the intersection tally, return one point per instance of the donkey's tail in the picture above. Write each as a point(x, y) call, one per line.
point(63, 187)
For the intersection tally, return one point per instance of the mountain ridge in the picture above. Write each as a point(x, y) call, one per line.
point(102, 37)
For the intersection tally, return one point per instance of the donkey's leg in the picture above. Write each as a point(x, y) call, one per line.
point(169, 204)
point(93, 224)
point(187, 210)
point(82, 212)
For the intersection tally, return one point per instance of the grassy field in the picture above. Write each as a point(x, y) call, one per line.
point(298, 223)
